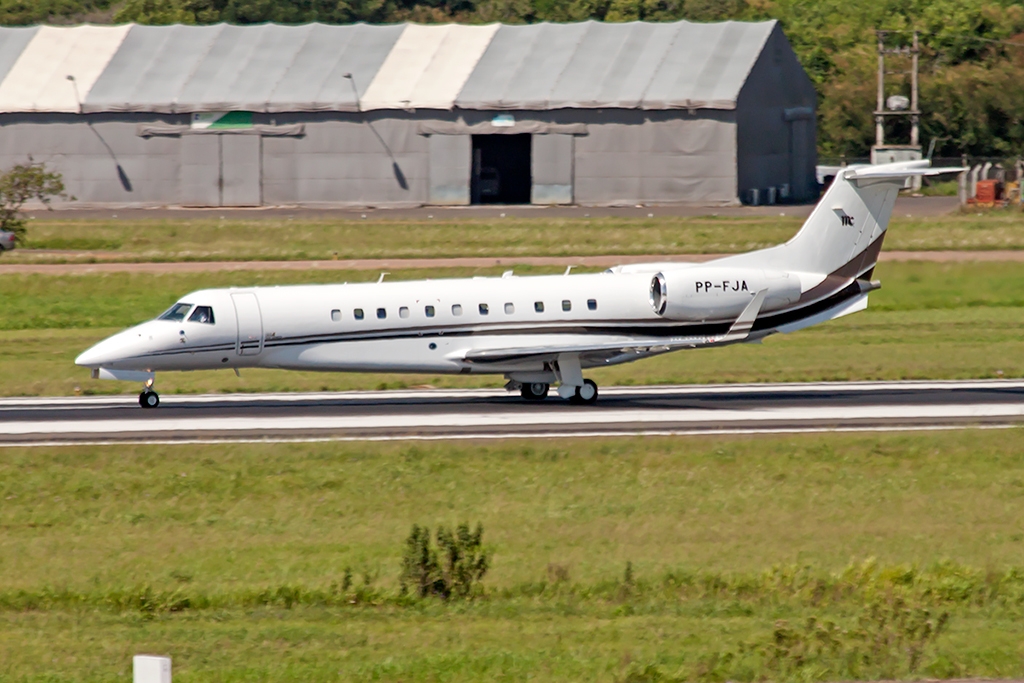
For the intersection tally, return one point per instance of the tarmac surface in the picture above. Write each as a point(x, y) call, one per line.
point(494, 413)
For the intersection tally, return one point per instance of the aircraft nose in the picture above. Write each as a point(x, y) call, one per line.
point(97, 354)
point(108, 351)
point(88, 358)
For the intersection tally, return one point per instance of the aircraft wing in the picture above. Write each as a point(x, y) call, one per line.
point(738, 332)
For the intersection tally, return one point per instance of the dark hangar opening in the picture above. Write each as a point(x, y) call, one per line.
point(501, 169)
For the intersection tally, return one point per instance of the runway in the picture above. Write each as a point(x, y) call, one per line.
point(494, 413)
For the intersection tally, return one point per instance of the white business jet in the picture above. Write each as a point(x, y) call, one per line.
point(538, 330)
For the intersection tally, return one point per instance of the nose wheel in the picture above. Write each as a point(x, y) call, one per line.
point(149, 398)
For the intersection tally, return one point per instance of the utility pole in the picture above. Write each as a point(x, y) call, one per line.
point(915, 116)
point(897, 105)
point(880, 106)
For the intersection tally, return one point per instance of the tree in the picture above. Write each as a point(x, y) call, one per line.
point(155, 12)
point(21, 183)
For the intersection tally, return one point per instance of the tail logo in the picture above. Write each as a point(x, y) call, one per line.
point(846, 220)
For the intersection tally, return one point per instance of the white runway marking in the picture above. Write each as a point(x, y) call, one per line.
point(513, 435)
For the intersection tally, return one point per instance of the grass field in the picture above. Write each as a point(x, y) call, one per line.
point(273, 238)
point(231, 558)
point(930, 320)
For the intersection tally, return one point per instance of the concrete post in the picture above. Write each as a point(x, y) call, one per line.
point(151, 669)
point(1020, 181)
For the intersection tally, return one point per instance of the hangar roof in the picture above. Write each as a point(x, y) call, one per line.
point(316, 67)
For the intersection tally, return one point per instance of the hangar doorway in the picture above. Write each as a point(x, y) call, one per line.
point(501, 169)
point(221, 170)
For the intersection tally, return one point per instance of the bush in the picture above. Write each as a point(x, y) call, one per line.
point(453, 569)
point(889, 640)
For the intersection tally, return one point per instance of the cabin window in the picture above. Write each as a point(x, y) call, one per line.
point(484, 309)
point(403, 312)
point(177, 312)
point(429, 310)
point(538, 306)
point(202, 314)
point(382, 313)
point(336, 315)
point(510, 309)
point(566, 305)
point(592, 304)
point(456, 309)
point(357, 314)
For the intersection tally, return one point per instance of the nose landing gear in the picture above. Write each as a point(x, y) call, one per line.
point(149, 398)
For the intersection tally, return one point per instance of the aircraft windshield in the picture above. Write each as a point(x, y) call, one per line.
point(202, 314)
point(177, 312)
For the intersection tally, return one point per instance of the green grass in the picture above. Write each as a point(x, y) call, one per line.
point(251, 541)
point(946, 188)
point(193, 239)
point(930, 320)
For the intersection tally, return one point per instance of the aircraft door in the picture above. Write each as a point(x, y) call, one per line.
point(250, 324)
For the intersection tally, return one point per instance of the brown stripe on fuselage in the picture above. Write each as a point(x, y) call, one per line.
point(841, 276)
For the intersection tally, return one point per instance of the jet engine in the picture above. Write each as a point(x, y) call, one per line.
point(698, 294)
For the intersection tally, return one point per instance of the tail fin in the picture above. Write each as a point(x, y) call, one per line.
point(846, 228)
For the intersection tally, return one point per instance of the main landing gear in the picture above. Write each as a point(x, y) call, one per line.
point(567, 371)
point(586, 394)
point(534, 391)
point(149, 398)
point(582, 395)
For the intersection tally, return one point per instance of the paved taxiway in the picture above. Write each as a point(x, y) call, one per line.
point(489, 413)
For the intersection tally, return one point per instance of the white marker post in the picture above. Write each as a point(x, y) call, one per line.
point(151, 669)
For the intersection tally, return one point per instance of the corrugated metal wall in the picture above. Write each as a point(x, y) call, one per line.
point(384, 115)
point(617, 157)
point(776, 136)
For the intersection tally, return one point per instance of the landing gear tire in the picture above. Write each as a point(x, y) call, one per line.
point(149, 399)
point(534, 391)
point(586, 394)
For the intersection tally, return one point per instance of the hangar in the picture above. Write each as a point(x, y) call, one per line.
point(406, 115)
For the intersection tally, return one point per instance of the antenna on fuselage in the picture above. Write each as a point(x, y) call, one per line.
point(381, 278)
point(567, 269)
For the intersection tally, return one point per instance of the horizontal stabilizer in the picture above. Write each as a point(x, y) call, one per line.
point(898, 171)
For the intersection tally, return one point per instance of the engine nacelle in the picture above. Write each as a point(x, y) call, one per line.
point(719, 293)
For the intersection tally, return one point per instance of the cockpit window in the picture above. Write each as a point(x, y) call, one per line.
point(202, 314)
point(177, 312)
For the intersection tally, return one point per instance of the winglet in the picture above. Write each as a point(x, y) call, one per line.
point(740, 329)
